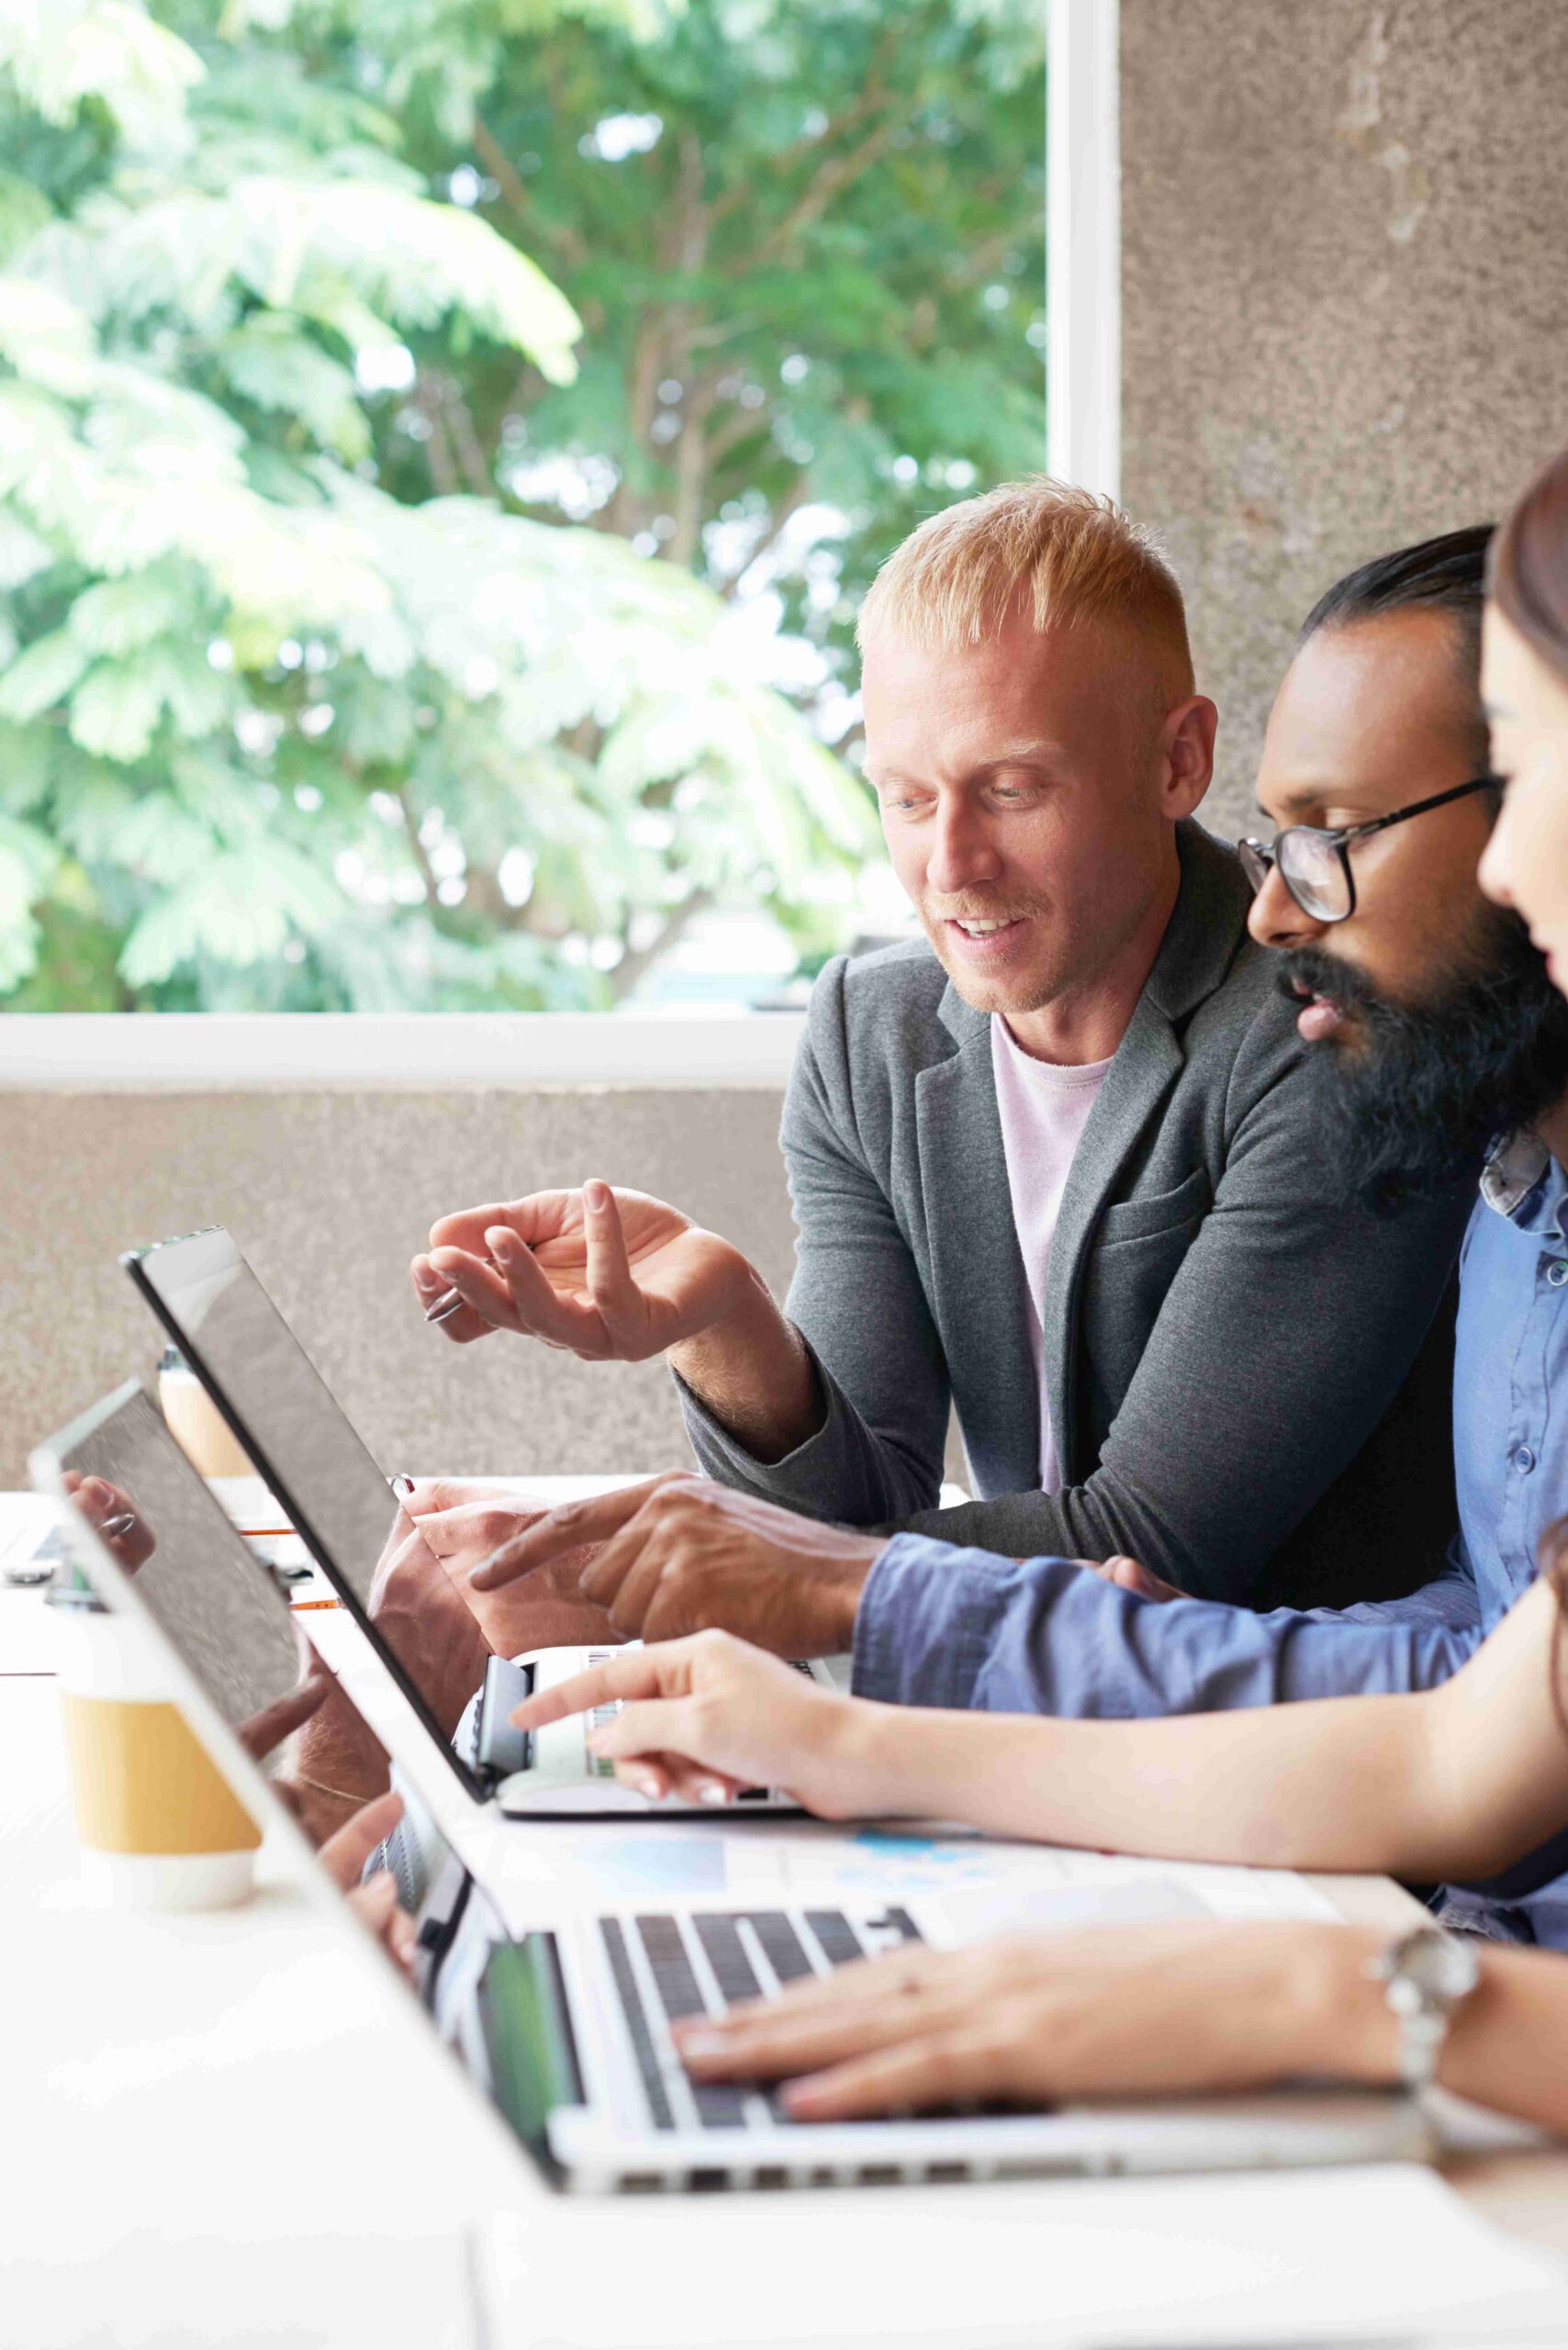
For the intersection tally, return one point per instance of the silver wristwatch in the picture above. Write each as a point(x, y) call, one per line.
point(1427, 1975)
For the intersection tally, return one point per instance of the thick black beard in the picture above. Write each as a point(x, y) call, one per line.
point(1417, 1092)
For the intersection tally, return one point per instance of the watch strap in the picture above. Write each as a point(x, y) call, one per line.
point(1426, 1977)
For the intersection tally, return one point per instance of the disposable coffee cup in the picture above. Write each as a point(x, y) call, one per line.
point(158, 1825)
point(194, 1422)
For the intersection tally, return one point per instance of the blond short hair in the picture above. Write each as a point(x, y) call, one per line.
point(1062, 555)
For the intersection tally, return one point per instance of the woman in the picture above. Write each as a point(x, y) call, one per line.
point(1450, 1784)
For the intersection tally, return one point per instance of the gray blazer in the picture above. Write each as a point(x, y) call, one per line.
point(1248, 1381)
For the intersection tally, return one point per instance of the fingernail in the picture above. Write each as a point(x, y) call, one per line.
point(595, 1194)
point(708, 1791)
point(498, 1240)
point(645, 1783)
point(596, 1741)
point(701, 2042)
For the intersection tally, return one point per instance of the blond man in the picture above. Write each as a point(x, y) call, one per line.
point(1055, 1164)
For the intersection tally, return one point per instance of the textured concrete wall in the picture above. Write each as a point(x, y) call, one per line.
point(1345, 297)
point(329, 1194)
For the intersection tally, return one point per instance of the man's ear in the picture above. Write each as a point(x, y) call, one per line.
point(1187, 754)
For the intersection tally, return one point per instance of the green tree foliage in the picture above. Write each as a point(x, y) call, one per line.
point(306, 697)
point(806, 238)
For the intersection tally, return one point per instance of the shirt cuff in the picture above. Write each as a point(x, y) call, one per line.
point(927, 1617)
point(822, 1478)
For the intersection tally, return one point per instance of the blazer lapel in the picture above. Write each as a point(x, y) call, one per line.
point(977, 1270)
point(1200, 940)
point(1146, 1063)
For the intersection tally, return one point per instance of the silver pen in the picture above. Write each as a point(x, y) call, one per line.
point(452, 1300)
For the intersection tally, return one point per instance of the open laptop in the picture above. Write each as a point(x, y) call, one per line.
point(305, 1448)
point(567, 2028)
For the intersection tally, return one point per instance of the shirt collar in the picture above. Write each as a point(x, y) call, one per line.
point(1521, 1181)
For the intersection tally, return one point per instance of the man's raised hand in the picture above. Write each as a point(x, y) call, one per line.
point(607, 1275)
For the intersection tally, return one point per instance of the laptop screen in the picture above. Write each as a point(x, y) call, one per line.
point(214, 1604)
point(288, 1422)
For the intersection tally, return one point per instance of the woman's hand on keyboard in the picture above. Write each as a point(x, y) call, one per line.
point(703, 1717)
point(1039, 2018)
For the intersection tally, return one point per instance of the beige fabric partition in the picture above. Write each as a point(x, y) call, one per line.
point(329, 1192)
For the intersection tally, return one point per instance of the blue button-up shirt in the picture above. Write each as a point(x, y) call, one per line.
point(944, 1627)
point(1511, 1353)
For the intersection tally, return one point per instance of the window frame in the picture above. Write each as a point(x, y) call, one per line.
point(1083, 244)
point(373, 1052)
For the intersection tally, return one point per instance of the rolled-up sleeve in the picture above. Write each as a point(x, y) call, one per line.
point(944, 1627)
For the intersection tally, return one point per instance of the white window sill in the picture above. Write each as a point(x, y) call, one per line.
point(373, 1052)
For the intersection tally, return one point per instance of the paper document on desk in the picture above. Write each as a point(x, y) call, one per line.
point(984, 1881)
point(892, 1860)
point(1387, 2256)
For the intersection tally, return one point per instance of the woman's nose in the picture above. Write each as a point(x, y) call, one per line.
point(1497, 862)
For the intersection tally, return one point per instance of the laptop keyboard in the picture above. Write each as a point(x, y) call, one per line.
point(666, 1967)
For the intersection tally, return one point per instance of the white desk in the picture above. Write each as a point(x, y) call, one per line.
point(241, 2078)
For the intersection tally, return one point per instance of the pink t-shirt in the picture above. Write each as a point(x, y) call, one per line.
point(1044, 1111)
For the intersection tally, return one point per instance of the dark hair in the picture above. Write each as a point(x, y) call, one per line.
point(1445, 575)
point(1527, 577)
point(1448, 573)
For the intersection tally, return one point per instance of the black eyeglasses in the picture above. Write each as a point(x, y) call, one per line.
point(1315, 864)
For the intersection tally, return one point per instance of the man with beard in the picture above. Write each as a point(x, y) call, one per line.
point(1444, 1028)
point(1437, 1034)
point(1054, 1164)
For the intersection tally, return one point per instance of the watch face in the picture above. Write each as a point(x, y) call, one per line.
point(1443, 1967)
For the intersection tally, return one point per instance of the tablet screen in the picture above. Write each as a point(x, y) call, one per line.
point(219, 1608)
point(291, 1426)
